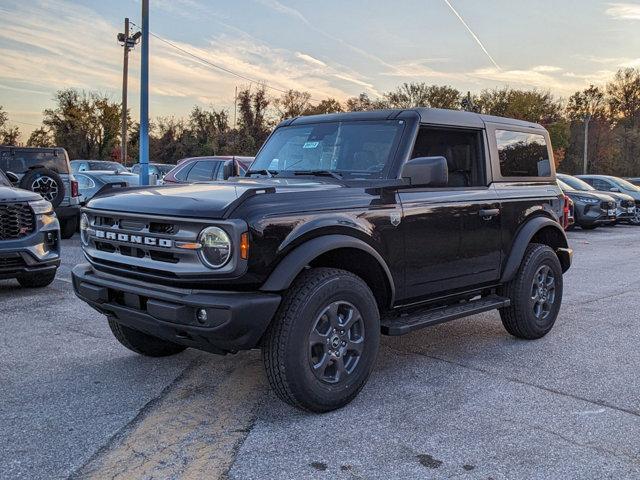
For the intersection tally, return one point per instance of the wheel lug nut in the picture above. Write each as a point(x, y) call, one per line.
point(344, 343)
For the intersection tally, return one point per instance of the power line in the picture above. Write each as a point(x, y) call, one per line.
point(218, 67)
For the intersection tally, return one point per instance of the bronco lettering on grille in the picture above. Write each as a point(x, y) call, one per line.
point(136, 239)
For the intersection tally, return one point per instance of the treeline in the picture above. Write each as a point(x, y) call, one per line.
point(88, 124)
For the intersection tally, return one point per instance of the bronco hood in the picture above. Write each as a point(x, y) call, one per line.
point(198, 200)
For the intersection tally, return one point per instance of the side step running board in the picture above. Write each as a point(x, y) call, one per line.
point(399, 325)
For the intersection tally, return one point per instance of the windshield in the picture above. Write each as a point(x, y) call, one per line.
point(104, 165)
point(626, 185)
point(354, 149)
point(576, 183)
point(164, 168)
point(564, 186)
point(4, 181)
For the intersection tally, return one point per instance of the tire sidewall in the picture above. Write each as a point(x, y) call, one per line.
point(336, 288)
point(27, 180)
point(542, 256)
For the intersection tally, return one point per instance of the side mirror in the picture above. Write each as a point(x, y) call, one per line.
point(228, 170)
point(426, 171)
point(13, 178)
point(614, 189)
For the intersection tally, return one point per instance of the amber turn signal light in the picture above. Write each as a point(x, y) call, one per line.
point(244, 246)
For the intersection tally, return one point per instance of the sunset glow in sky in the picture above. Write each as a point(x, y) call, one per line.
point(329, 48)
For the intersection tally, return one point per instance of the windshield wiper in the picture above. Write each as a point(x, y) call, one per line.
point(319, 173)
point(264, 171)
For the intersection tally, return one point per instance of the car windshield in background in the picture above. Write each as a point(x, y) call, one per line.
point(4, 181)
point(21, 161)
point(627, 185)
point(576, 183)
point(98, 165)
point(354, 149)
point(164, 169)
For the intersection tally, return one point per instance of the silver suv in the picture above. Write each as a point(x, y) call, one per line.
point(47, 172)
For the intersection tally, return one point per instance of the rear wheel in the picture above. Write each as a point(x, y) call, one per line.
point(635, 220)
point(142, 343)
point(322, 344)
point(535, 293)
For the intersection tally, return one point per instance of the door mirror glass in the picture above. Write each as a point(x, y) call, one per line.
point(614, 189)
point(426, 171)
point(13, 178)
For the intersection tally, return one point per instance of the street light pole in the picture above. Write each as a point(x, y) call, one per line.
point(587, 119)
point(144, 97)
point(125, 77)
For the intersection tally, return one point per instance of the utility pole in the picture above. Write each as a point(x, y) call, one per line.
point(235, 107)
point(587, 119)
point(144, 97)
point(128, 43)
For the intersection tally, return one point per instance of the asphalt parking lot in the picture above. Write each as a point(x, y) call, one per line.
point(462, 400)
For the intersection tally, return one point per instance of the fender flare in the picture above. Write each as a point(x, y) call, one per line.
point(294, 262)
point(522, 240)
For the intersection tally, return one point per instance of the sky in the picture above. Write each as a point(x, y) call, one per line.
point(329, 48)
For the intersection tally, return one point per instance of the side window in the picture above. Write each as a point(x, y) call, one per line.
point(85, 182)
point(523, 154)
point(184, 171)
point(200, 172)
point(218, 171)
point(463, 150)
point(600, 184)
point(135, 169)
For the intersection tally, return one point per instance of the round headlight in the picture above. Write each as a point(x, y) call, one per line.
point(216, 247)
point(84, 227)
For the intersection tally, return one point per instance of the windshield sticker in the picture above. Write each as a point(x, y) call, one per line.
point(311, 144)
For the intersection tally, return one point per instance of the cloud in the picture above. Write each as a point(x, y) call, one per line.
point(546, 69)
point(624, 11)
point(310, 59)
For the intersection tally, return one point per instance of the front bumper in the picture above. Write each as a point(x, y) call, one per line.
point(235, 320)
point(594, 215)
point(38, 252)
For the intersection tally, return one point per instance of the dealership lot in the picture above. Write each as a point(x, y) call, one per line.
point(462, 399)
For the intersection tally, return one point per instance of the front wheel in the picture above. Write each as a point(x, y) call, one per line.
point(322, 344)
point(535, 293)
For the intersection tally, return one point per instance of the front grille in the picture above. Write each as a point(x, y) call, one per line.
point(11, 263)
point(607, 205)
point(16, 221)
point(628, 203)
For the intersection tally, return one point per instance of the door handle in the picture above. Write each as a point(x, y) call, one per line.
point(487, 213)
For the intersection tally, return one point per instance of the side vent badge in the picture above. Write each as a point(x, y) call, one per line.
point(395, 218)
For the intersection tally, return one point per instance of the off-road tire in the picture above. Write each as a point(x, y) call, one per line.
point(36, 280)
point(68, 227)
point(588, 227)
point(519, 319)
point(286, 351)
point(48, 177)
point(142, 343)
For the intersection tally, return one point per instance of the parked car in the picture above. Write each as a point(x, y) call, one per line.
point(625, 204)
point(350, 225)
point(94, 181)
point(204, 169)
point(157, 169)
point(29, 236)
point(102, 165)
point(591, 208)
point(609, 184)
point(47, 172)
point(634, 180)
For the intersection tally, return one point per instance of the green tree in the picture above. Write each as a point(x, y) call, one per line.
point(40, 137)
point(8, 135)
point(410, 95)
point(330, 105)
point(530, 105)
point(292, 104)
point(86, 124)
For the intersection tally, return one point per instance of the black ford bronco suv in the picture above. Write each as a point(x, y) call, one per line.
point(347, 226)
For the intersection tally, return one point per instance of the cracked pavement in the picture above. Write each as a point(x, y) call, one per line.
point(462, 399)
